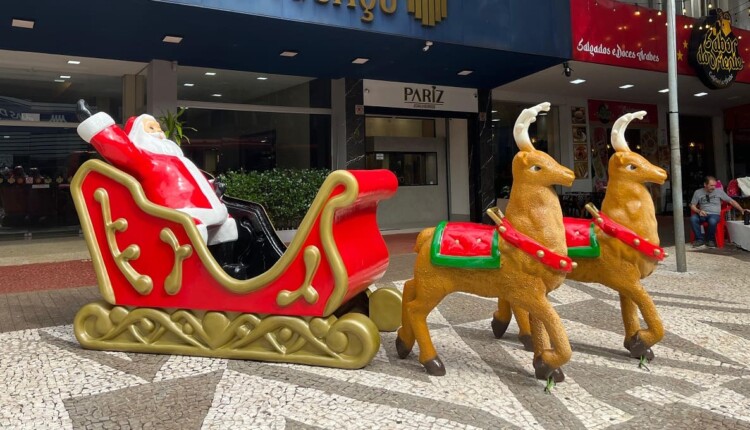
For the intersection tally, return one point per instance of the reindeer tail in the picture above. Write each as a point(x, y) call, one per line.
point(424, 236)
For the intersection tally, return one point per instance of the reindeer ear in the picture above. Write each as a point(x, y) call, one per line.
point(524, 157)
point(620, 157)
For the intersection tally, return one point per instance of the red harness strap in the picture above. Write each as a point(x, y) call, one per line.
point(544, 255)
point(629, 237)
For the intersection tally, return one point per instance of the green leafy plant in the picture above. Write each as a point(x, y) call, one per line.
point(174, 128)
point(286, 194)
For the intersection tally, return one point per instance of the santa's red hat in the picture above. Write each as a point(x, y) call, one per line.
point(129, 124)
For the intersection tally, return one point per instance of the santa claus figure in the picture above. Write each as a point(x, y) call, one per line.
point(168, 177)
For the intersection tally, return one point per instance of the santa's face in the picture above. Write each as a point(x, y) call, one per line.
point(147, 134)
point(152, 127)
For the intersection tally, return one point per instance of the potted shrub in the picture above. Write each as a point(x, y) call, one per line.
point(286, 194)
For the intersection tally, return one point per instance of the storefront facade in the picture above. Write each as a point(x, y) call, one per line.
point(271, 84)
point(618, 65)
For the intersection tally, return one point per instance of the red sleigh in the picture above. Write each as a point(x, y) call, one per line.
point(166, 293)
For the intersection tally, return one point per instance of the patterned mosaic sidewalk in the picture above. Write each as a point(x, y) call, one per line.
point(700, 378)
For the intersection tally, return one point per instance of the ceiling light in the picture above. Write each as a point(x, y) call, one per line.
point(495, 119)
point(494, 111)
point(210, 73)
point(64, 77)
point(188, 85)
point(700, 94)
point(577, 81)
point(22, 23)
point(465, 72)
point(215, 95)
point(665, 90)
point(172, 39)
point(60, 80)
point(360, 60)
point(289, 54)
point(626, 86)
point(74, 62)
point(262, 78)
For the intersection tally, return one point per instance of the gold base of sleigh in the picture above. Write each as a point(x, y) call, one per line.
point(348, 342)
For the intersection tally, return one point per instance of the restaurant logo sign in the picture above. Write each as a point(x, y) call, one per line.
point(430, 12)
point(714, 51)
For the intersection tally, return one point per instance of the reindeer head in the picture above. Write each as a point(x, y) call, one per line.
point(530, 165)
point(628, 165)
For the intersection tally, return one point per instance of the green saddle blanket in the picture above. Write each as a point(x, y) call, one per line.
point(465, 245)
point(580, 238)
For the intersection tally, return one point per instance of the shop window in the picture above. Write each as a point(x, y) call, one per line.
point(36, 167)
point(411, 168)
point(399, 127)
point(232, 140)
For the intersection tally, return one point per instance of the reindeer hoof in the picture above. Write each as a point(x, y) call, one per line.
point(401, 349)
point(434, 367)
point(638, 348)
point(544, 372)
point(528, 344)
point(499, 327)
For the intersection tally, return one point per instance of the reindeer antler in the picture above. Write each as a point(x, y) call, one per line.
point(521, 129)
point(618, 130)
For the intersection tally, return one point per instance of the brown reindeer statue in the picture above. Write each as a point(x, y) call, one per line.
point(531, 244)
point(626, 232)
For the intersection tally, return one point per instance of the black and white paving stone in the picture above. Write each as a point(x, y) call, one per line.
point(699, 379)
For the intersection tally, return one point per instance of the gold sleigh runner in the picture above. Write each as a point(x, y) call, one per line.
point(348, 342)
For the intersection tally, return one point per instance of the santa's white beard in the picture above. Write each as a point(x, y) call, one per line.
point(156, 143)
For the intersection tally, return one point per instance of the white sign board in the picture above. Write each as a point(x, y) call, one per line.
point(418, 96)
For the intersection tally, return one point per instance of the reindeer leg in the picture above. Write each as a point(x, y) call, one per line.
point(540, 344)
point(629, 319)
point(501, 318)
point(501, 321)
point(405, 337)
point(642, 341)
point(547, 361)
point(524, 328)
point(416, 312)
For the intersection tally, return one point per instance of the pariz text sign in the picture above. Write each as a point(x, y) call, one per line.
point(424, 98)
point(714, 51)
point(403, 95)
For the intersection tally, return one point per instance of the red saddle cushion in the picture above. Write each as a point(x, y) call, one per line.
point(465, 244)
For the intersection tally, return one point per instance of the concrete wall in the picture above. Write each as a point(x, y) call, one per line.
point(415, 207)
point(458, 169)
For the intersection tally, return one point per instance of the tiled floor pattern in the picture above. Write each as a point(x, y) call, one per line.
point(700, 378)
